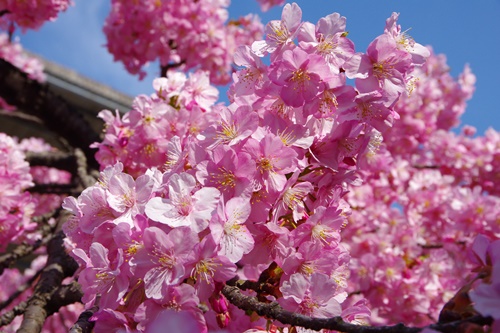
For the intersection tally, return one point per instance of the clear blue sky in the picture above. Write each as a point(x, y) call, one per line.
point(466, 31)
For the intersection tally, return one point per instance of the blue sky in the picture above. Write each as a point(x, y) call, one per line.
point(466, 31)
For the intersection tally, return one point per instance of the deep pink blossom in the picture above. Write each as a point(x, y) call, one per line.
point(185, 206)
point(228, 229)
point(315, 296)
point(280, 34)
point(302, 76)
point(102, 277)
point(163, 259)
point(273, 160)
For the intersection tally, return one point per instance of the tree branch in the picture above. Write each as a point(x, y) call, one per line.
point(59, 266)
point(8, 317)
point(53, 159)
point(83, 325)
point(275, 311)
point(25, 249)
point(51, 188)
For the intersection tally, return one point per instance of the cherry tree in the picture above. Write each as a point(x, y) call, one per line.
point(329, 195)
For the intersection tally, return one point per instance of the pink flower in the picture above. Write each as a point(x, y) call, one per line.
point(327, 39)
point(265, 5)
point(184, 206)
point(153, 315)
point(371, 109)
point(109, 320)
point(127, 196)
point(314, 296)
point(486, 296)
point(273, 160)
point(251, 78)
point(230, 172)
point(418, 52)
point(209, 267)
point(163, 258)
point(280, 34)
point(236, 124)
point(383, 68)
point(200, 91)
point(301, 75)
point(322, 227)
point(177, 321)
point(228, 229)
point(100, 279)
point(93, 207)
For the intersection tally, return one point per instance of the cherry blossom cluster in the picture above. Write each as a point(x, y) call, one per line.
point(436, 102)
point(179, 33)
point(17, 205)
point(427, 194)
point(30, 14)
point(193, 194)
point(149, 135)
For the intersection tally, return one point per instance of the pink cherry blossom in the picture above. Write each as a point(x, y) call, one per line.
point(100, 279)
point(184, 206)
point(228, 229)
point(315, 296)
point(273, 160)
point(302, 76)
point(279, 34)
point(328, 39)
point(163, 258)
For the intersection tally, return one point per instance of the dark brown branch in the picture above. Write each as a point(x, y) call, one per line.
point(59, 266)
point(64, 295)
point(63, 189)
point(417, 166)
point(36, 99)
point(9, 316)
point(431, 246)
point(22, 116)
point(83, 325)
point(53, 159)
point(164, 69)
point(275, 311)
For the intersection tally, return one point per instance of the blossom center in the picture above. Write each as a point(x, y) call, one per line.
point(228, 132)
point(265, 164)
point(225, 179)
point(300, 77)
point(184, 205)
point(279, 34)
